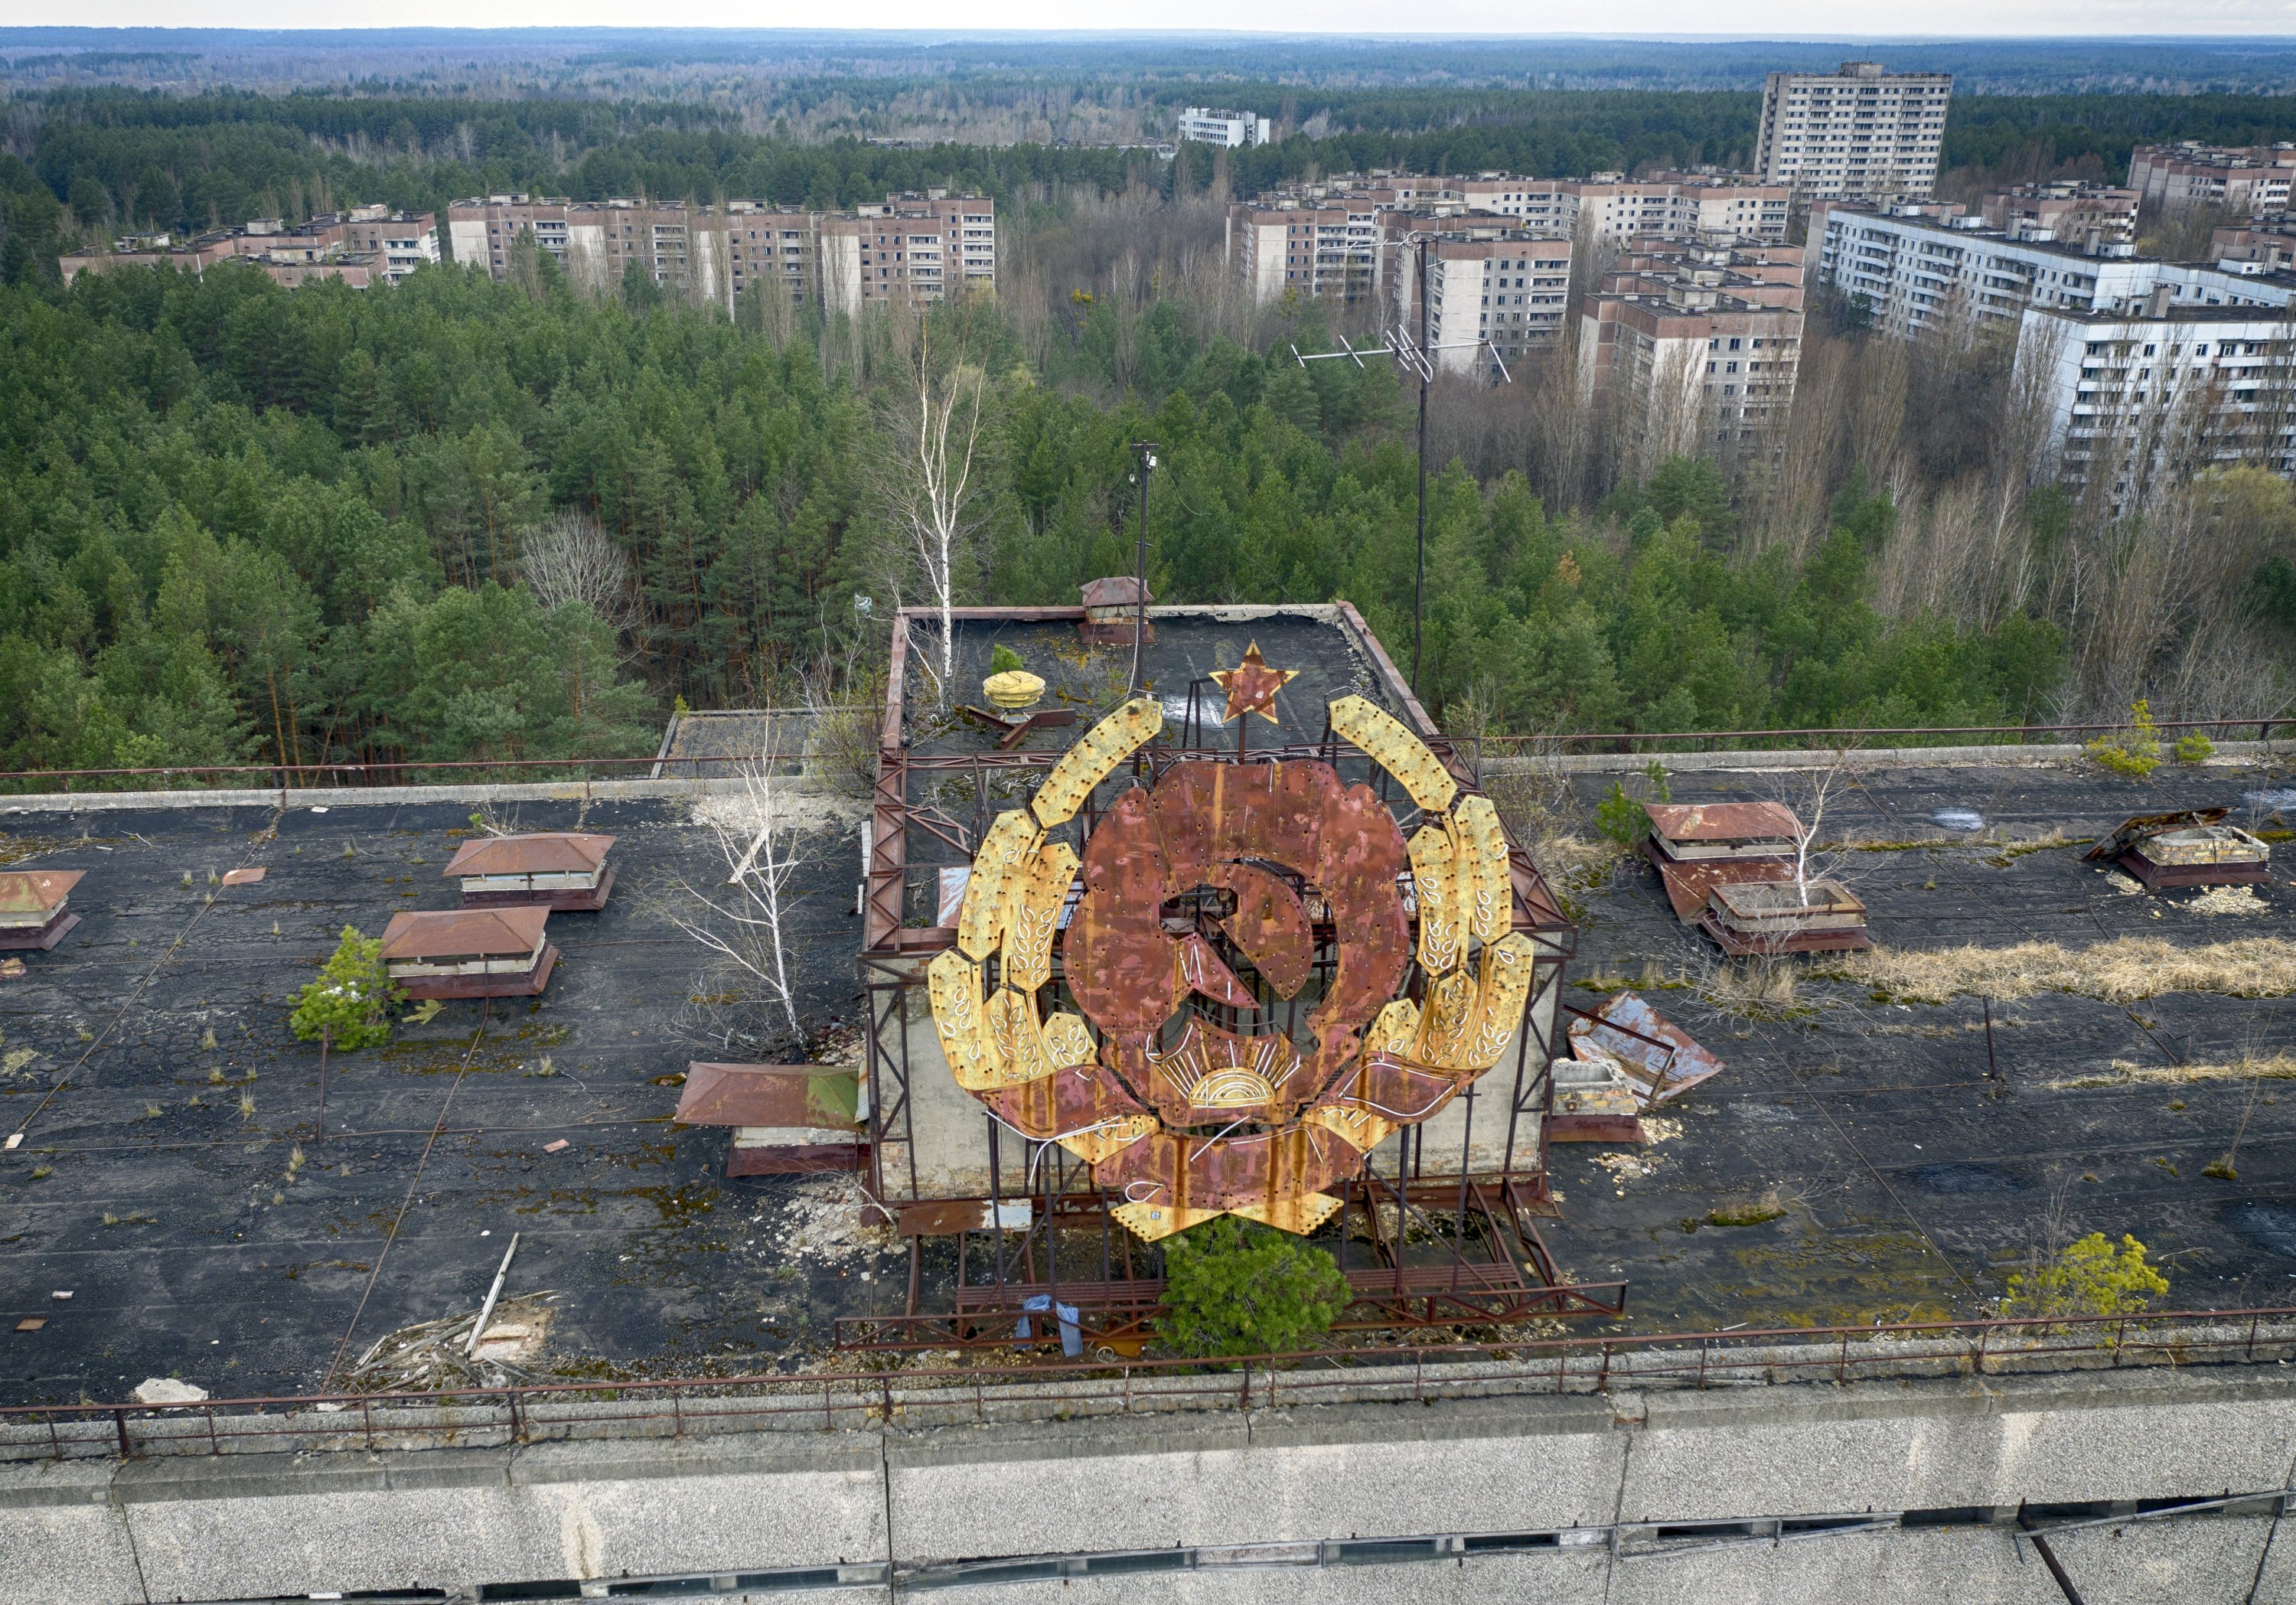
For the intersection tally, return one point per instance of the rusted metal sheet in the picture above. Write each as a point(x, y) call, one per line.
point(1596, 1128)
point(1205, 972)
point(1652, 1049)
point(1082, 1107)
point(1689, 882)
point(1210, 813)
point(770, 1094)
point(542, 852)
point(1269, 926)
point(1119, 962)
point(1722, 824)
point(481, 933)
point(1360, 855)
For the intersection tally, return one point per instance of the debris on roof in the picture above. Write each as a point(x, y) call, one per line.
point(1657, 1055)
point(2188, 846)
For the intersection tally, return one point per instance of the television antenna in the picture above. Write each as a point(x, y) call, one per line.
point(1419, 356)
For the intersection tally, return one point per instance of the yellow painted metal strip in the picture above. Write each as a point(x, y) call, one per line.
point(997, 882)
point(1094, 758)
point(1435, 880)
point(1396, 750)
point(1035, 914)
point(1486, 889)
point(1507, 968)
point(952, 982)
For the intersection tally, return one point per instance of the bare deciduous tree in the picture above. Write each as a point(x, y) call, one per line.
point(745, 919)
point(931, 485)
point(570, 557)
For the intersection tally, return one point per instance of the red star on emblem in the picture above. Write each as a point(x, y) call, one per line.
point(1251, 685)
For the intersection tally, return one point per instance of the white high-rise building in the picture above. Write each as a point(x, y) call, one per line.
point(1859, 135)
point(1210, 126)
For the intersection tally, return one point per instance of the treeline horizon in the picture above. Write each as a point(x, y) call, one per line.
point(119, 160)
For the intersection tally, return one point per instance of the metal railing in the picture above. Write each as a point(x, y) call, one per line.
point(279, 777)
point(472, 1417)
point(1828, 740)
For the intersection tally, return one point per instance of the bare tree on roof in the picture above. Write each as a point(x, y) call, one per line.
point(744, 918)
point(1808, 794)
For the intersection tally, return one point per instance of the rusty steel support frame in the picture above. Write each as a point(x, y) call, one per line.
point(1512, 1277)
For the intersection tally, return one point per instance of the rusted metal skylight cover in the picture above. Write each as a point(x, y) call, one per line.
point(771, 1094)
point(543, 853)
point(34, 896)
point(472, 933)
point(1715, 830)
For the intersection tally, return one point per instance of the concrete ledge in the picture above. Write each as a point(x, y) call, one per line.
point(552, 1514)
point(2228, 754)
point(338, 797)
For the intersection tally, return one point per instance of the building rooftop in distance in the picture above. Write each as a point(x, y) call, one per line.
point(165, 1104)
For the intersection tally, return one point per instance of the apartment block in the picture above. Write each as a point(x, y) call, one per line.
point(1329, 251)
point(2251, 179)
point(1693, 347)
point(1860, 134)
point(2129, 390)
point(1488, 289)
point(2075, 214)
point(365, 246)
point(1322, 239)
point(907, 247)
point(2260, 245)
point(1211, 126)
point(1912, 267)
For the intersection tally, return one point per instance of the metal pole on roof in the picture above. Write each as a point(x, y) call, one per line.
point(1419, 587)
point(1147, 450)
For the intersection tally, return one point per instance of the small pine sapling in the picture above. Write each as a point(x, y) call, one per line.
point(345, 1007)
point(2194, 747)
point(1003, 660)
point(1238, 1288)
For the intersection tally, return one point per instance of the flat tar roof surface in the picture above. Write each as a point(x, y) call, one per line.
point(1909, 1180)
point(194, 1244)
point(191, 1241)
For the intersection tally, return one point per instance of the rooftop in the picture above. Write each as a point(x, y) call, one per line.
point(164, 1103)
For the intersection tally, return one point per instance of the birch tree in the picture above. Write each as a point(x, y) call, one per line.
point(745, 918)
point(930, 487)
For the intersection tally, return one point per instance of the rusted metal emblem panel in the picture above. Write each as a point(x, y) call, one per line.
point(1243, 1119)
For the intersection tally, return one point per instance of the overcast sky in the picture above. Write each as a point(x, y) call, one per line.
point(1769, 19)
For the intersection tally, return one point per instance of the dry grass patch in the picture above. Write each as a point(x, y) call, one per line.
point(2119, 972)
point(2123, 1072)
point(1570, 863)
